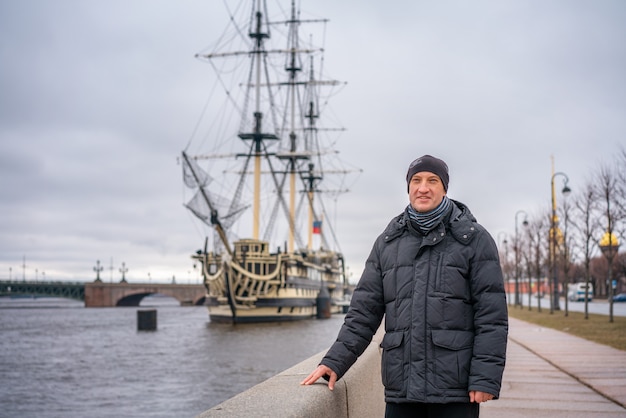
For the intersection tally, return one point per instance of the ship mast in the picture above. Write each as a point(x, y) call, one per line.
point(293, 67)
point(257, 136)
point(298, 128)
point(310, 178)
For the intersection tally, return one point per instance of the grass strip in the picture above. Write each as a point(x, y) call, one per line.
point(597, 328)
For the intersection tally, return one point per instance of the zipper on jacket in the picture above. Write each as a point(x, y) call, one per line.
point(439, 274)
point(425, 343)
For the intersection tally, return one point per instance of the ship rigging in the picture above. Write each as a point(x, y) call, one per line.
point(278, 151)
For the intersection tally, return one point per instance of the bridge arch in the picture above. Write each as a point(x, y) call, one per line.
point(99, 294)
point(134, 299)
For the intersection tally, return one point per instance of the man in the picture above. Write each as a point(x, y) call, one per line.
point(435, 276)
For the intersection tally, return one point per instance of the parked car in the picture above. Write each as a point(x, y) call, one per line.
point(620, 297)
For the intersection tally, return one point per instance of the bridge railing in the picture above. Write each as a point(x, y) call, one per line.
point(75, 290)
point(101, 294)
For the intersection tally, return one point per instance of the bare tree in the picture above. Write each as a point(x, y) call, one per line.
point(620, 189)
point(537, 230)
point(518, 250)
point(528, 264)
point(620, 225)
point(608, 186)
point(566, 253)
point(525, 242)
point(505, 263)
point(585, 206)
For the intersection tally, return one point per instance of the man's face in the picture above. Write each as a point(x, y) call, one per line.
point(425, 191)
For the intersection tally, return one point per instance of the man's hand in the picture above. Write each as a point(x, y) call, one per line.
point(320, 372)
point(478, 397)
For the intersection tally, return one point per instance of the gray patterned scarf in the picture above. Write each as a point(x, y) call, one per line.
point(427, 221)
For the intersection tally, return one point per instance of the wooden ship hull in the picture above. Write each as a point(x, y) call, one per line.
point(267, 287)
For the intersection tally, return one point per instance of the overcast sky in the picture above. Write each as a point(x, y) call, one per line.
point(97, 99)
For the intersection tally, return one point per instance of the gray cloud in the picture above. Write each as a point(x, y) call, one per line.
point(98, 99)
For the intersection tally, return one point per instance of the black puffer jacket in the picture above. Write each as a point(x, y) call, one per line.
point(442, 296)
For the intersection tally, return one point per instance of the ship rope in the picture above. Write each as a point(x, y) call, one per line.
point(280, 198)
point(234, 205)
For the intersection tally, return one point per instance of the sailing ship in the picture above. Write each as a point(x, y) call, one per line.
point(255, 264)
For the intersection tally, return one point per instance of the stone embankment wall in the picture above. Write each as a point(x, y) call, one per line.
point(358, 394)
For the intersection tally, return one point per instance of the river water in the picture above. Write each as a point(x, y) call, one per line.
point(59, 359)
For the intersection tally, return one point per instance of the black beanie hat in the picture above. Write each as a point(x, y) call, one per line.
point(429, 163)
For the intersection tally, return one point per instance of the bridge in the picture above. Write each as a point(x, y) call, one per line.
point(98, 294)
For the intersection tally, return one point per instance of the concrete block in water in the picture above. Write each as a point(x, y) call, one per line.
point(147, 320)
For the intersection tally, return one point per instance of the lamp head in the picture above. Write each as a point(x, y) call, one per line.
point(566, 190)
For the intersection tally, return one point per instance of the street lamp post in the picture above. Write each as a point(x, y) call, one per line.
point(530, 275)
point(553, 242)
point(98, 268)
point(609, 246)
point(517, 257)
point(123, 270)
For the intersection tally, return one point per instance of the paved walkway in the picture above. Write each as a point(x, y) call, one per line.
point(554, 374)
